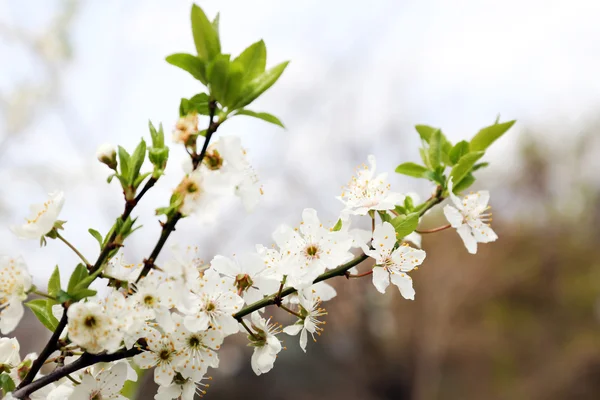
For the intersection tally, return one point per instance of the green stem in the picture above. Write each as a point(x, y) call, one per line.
point(248, 329)
point(291, 311)
point(65, 241)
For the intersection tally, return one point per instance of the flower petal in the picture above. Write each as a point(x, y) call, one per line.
point(381, 279)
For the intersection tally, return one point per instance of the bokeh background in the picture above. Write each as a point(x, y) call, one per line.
point(520, 320)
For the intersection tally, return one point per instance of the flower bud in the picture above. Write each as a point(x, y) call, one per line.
point(107, 154)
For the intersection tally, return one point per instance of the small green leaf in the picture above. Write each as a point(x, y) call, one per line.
point(77, 276)
point(206, 37)
point(254, 60)
point(460, 149)
point(337, 226)
point(424, 157)
point(408, 203)
point(63, 297)
point(435, 148)
point(190, 63)
point(199, 103)
point(218, 76)
point(137, 159)
point(385, 217)
point(96, 236)
point(83, 293)
point(425, 131)
point(465, 183)
point(480, 165)
point(39, 308)
point(54, 282)
point(464, 166)
point(141, 178)
point(6, 383)
point(260, 84)
point(412, 169)
point(235, 79)
point(261, 115)
point(124, 158)
point(488, 135)
point(405, 224)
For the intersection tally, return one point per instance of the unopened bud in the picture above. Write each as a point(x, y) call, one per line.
point(107, 154)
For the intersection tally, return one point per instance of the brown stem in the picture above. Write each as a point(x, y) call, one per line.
point(349, 275)
point(438, 229)
point(291, 311)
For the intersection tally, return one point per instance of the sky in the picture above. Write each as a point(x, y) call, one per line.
point(361, 76)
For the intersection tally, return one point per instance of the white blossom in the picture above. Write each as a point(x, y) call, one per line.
point(42, 217)
point(196, 351)
point(201, 191)
point(15, 282)
point(214, 306)
point(92, 328)
point(249, 276)
point(107, 385)
point(265, 343)
point(9, 352)
point(310, 310)
point(117, 268)
point(367, 191)
point(311, 250)
point(107, 154)
point(161, 355)
point(393, 263)
point(469, 218)
point(154, 298)
point(182, 389)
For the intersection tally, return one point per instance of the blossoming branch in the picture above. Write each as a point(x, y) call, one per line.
point(173, 318)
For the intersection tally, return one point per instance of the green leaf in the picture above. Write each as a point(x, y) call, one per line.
point(412, 169)
point(425, 131)
point(485, 137)
point(385, 217)
point(464, 166)
point(460, 149)
point(83, 293)
point(77, 276)
point(206, 37)
point(6, 383)
point(137, 159)
point(199, 103)
point(254, 60)
point(218, 76)
point(338, 225)
point(260, 84)
point(435, 148)
point(124, 158)
point(63, 297)
point(480, 165)
point(261, 115)
point(405, 224)
point(41, 312)
point(54, 282)
point(424, 157)
point(465, 183)
point(96, 236)
point(235, 79)
point(190, 63)
point(408, 203)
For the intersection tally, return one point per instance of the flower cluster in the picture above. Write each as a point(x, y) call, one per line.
point(176, 318)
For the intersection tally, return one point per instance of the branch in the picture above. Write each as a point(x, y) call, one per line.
point(51, 346)
point(272, 299)
point(84, 361)
point(169, 226)
point(339, 271)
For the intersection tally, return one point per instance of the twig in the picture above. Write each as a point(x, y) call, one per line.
point(65, 241)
